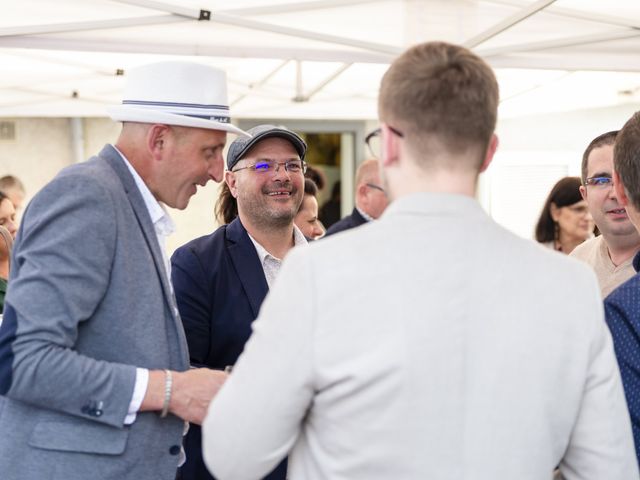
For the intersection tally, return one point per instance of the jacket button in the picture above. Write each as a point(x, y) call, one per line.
point(174, 450)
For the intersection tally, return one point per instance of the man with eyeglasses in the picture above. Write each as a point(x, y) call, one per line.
point(221, 279)
point(611, 253)
point(94, 369)
point(371, 199)
point(432, 343)
point(622, 307)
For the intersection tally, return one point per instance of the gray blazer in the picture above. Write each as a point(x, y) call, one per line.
point(89, 302)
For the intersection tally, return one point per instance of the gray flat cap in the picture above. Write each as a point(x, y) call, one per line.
point(241, 145)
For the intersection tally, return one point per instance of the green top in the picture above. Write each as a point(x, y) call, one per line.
point(3, 290)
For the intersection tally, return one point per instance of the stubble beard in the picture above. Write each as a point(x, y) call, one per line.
point(262, 216)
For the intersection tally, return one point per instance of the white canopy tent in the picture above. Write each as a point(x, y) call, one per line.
point(314, 59)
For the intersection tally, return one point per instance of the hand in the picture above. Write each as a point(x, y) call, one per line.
point(192, 392)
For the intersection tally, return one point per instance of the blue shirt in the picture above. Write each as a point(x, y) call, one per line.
point(622, 310)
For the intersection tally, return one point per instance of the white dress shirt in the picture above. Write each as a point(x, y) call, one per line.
point(270, 264)
point(163, 226)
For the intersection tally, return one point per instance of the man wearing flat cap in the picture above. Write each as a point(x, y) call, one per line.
point(221, 279)
point(94, 367)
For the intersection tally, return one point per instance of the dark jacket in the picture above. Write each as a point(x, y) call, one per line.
point(350, 221)
point(219, 285)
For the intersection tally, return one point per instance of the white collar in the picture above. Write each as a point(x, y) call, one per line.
point(298, 239)
point(366, 216)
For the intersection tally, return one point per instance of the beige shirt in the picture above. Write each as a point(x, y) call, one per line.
point(594, 252)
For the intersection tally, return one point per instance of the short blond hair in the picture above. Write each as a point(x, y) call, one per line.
point(441, 95)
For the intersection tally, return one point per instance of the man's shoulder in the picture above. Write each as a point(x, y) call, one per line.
point(206, 244)
point(622, 314)
point(344, 224)
point(626, 295)
point(92, 175)
point(82, 186)
point(216, 243)
point(339, 226)
point(587, 249)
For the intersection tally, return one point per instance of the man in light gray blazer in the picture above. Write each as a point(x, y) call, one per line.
point(94, 369)
point(445, 347)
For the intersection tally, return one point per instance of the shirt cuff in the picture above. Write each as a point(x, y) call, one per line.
point(140, 388)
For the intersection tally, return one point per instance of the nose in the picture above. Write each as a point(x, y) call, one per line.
point(280, 171)
point(216, 169)
point(317, 231)
point(12, 227)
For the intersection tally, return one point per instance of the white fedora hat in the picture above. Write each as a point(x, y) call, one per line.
point(176, 93)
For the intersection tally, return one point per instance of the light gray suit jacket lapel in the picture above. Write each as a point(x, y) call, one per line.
point(112, 157)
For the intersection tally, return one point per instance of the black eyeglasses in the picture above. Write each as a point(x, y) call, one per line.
point(373, 140)
point(601, 182)
point(266, 166)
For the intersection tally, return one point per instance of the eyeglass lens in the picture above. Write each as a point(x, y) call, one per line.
point(291, 166)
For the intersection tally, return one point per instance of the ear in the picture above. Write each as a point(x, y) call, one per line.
point(491, 151)
point(390, 147)
point(230, 179)
point(156, 140)
point(621, 193)
point(554, 211)
point(583, 192)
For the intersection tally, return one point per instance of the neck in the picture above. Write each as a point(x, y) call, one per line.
point(437, 181)
point(567, 244)
point(621, 247)
point(275, 240)
point(138, 161)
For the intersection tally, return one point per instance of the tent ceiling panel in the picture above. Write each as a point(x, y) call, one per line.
point(311, 58)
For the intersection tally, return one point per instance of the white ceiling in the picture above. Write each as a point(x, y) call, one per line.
point(314, 59)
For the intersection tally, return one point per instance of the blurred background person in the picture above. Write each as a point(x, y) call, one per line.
point(611, 253)
point(8, 229)
point(6, 242)
point(13, 188)
point(371, 198)
point(8, 215)
point(565, 221)
point(307, 217)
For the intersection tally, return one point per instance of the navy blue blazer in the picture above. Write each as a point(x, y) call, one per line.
point(219, 285)
point(350, 221)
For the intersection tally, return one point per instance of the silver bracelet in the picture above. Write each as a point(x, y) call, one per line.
point(168, 383)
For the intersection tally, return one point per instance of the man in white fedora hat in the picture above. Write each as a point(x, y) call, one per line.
point(94, 369)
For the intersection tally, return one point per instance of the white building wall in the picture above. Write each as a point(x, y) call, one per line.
point(534, 152)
